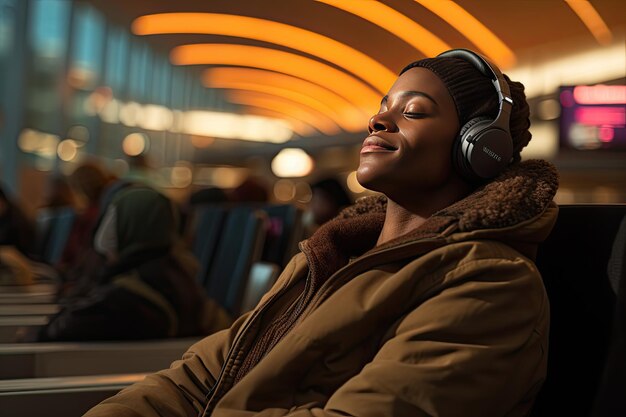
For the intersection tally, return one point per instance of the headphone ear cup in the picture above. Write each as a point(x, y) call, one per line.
point(460, 158)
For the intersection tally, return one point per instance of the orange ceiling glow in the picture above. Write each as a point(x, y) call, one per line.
point(472, 29)
point(312, 117)
point(355, 91)
point(277, 33)
point(394, 22)
point(298, 126)
point(344, 113)
point(287, 94)
point(592, 19)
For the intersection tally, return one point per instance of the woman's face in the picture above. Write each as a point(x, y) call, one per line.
point(410, 141)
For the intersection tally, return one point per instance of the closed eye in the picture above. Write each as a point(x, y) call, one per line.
point(411, 115)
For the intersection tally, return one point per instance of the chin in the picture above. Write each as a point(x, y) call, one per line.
point(374, 177)
point(362, 175)
point(367, 182)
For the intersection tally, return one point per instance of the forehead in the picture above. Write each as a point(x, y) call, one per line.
point(425, 81)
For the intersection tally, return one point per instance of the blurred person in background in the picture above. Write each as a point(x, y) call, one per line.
point(209, 195)
point(59, 199)
point(147, 287)
point(142, 171)
point(17, 229)
point(251, 190)
point(90, 181)
point(17, 242)
point(59, 193)
point(328, 198)
point(423, 300)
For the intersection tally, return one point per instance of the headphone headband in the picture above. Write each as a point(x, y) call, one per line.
point(484, 147)
point(482, 64)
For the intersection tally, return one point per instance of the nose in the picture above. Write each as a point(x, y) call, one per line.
point(380, 123)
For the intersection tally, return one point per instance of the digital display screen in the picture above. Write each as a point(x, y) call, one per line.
point(593, 117)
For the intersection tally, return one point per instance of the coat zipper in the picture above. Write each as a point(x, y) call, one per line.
point(211, 395)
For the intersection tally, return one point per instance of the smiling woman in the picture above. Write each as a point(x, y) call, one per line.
point(412, 136)
point(423, 300)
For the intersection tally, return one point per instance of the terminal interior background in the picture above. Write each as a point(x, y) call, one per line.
point(211, 92)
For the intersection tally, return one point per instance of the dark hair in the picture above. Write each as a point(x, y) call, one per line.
point(334, 189)
point(91, 179)
point(208, 195)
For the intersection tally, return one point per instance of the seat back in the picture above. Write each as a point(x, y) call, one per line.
point(204, 231)
point(284, 232)
point(262, 277)
point(240, 245)
point(573, 263)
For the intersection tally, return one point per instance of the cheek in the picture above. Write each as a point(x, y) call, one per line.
point(430, 159)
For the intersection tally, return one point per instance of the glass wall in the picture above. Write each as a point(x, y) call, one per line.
point(12, 56)
point(73, 84)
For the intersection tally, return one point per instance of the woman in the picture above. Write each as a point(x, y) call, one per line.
point(423, 303)
point(147, 288)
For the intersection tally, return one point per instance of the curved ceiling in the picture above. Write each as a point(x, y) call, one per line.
point(323, 65)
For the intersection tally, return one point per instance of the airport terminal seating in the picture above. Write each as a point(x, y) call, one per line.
point(204, 232)
point(61, 359)
point(24, 307)
point(69, 378)
point(240, 245)
point(573, 263)
point(285, 230)
point(62, 396)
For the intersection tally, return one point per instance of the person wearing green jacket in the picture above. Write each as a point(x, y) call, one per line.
point(423, 300)
point(147, 289)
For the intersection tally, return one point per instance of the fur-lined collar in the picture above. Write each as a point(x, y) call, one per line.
point(521, 193)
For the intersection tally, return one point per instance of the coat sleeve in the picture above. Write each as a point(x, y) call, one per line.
point(179, 390)
point(477, 347)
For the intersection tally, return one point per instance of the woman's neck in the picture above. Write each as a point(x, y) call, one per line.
point(405, 215)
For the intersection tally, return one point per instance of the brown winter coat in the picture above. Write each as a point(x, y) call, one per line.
point(450, 319)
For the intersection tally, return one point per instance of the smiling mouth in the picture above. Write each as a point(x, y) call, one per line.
point(377, 146)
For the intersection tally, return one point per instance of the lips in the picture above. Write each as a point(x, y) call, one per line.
point(376, 144)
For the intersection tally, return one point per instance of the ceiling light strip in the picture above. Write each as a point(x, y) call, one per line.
point(300, 127)
point(235, 126)
point(224, 79)
point(289, 95)
point(592, 19)
point(277, 33)
point(474, 30)
point(394, 22)
point(320, 122)
point(342, 106)
point(355, 91)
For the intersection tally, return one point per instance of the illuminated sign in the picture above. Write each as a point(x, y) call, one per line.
point(593, 117)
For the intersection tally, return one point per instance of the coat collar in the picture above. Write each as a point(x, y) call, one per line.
point(521, 193)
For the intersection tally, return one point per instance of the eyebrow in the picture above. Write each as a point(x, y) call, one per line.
point(410, 93)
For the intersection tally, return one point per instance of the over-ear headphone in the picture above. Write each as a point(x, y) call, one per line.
point(484, 146)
